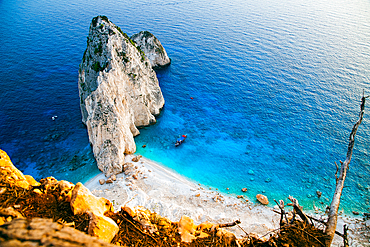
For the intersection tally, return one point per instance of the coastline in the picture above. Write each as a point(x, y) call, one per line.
point(161, 190)
point(171, 195)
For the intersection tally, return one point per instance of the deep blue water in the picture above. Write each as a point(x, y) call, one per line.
point(276, 88)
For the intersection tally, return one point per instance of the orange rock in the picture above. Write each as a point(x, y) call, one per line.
point(130, 211)
point(186, 229)
point(83, 201)
point(229, 237)
point(102, 227)
point(136, 158)
point(65, 188)
point(12, 175)
point(31, 180)
point(262, 199)
point(206, 225)
point(197, 195)
point(244, 189)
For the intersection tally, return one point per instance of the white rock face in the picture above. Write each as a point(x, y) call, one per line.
point(119, 91)
point(152, 48)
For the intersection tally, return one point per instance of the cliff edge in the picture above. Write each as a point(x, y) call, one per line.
point(119, 91)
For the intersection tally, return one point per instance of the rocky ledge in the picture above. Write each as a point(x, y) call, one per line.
point(119, 92)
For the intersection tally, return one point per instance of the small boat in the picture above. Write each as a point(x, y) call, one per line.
point(180, 140)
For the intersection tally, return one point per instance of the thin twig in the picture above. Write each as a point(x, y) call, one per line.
point(243, 230)
point(229, 224)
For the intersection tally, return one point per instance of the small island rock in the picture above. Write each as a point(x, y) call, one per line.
point(152, 48)
point(119, 92)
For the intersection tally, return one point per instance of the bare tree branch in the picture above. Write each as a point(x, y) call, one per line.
point(334, 206)
point(298, 209)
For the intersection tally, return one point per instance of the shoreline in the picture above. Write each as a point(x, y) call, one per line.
point(161, 190)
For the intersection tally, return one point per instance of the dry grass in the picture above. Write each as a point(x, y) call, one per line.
point(45, 204)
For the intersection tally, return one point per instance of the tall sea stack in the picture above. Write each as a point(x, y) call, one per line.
point(119, 91)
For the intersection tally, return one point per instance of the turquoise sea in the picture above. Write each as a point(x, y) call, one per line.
point(267, 91)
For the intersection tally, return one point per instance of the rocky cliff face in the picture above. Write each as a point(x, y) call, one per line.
point(119, 91)
point(152, 48)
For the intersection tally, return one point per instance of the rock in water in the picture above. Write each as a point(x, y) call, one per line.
point(152, 48)
point(119, 91)
point(262, 199)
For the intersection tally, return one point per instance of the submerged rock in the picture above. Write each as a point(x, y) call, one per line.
point(152, 48)
point(119, 91)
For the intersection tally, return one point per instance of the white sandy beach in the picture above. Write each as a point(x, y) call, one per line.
point(161, 190)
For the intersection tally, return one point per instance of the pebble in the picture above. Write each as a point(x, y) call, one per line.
point(355, 212)
point(251, 172)
point(268, 180)
point(244, 189)
point(101, 181)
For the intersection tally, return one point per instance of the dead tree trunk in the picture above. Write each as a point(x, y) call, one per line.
point(334, 206)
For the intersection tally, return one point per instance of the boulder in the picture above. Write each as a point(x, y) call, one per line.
point(262, 199)
point(83, 201)
point(137, 158)
point(187, 229)
point(229, 237)
point(102, 227)
point(65, 188)
point(11, 174)
point(31, 181)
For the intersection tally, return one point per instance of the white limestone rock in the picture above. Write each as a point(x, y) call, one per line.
point(119, 91)
point(152, 48)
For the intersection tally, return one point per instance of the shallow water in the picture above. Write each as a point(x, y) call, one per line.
point(276, 88)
